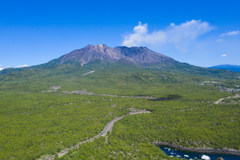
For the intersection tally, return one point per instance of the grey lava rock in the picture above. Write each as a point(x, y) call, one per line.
point(134, 55)
point(143, 55)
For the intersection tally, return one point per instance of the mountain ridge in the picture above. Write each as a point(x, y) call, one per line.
point(234, 68)
point(143, 55)
point(119, 59)
point(138, 55)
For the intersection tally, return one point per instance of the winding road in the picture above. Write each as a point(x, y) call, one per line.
point(103, 133)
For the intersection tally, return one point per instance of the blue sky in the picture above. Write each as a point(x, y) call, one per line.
point(202, 33)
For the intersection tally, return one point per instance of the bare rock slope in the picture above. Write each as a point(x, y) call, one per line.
point(143, 55)
point(138, 55)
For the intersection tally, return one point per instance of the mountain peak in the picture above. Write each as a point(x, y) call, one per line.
point(101, 45)
point(139, 55)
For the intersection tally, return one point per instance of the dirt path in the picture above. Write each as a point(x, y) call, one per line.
point(88, 73)
point(221, 99)
point(103, 133)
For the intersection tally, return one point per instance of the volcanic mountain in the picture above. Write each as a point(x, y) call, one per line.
point(137, 55)
point(119, 59)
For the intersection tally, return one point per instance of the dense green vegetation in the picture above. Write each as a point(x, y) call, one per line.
point(198, 127)
point(37, 120)
point(231, 101)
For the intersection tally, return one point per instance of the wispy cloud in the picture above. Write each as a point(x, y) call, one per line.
point(224, 55)
point(179, 35)
point(230, 33)
point(219, 40)
point(1, 67)
point(20, 66)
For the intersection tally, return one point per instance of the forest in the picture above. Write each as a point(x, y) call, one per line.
point(38, 121)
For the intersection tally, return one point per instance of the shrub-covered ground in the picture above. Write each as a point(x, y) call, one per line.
point(37, 120)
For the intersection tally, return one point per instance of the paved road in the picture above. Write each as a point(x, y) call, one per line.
point(103, 133)
point(109, 126)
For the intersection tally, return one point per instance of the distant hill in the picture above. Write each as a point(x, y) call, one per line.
point(229, 67)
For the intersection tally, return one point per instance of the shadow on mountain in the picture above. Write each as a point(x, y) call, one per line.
point(167, 98)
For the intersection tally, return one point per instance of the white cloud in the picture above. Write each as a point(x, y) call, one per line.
point(1, 69)
point(20, 66)
point(224, 55)
point(172, 24)
point(179, 35)
point(230, 33)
